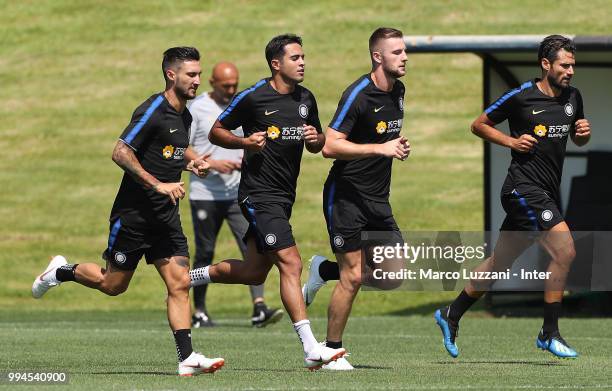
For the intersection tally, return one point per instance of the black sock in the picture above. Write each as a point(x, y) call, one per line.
point(258, 307)
point(458, 307)
point(329, 270)
point(333, 345)
point(66, 272)
point(552, 311)
point(182, 338)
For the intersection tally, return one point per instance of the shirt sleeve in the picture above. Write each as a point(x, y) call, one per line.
point(347, 112)
point(141, 126)
point(313, 115)
point(503, 107)
point(239, 111)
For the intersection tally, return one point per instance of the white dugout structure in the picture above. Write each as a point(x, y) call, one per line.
point(508, 60)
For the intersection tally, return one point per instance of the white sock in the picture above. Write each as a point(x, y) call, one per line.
point(199, 276)
point(302, 328)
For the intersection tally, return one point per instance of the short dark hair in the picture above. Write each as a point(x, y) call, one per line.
point(275, 49)
point(383, 33)
point(550, 46)
point(178, 54)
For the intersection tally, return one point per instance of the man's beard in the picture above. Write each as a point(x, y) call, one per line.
point(184, 94)
point(394, 73)
point(553, 82)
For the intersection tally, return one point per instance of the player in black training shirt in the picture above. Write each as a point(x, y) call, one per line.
point(153, 151)
point(279, 117)
point(541, 113)
point(364, 138)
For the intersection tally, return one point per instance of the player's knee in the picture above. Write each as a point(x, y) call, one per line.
point(569, 253)
point(563, 255)
point(258, 277)
point(563, 258)
point(291, 268)
point(386, 284)
point(390, 284)
point(179, 285)
point(351, 281)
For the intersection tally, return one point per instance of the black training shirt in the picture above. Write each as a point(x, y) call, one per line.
point(550, 120)
point(367, 115)
point(271, 174)
point(159, 136)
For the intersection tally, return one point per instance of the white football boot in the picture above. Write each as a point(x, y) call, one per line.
point(314, 282)
point(197, 363)
point(322, 355)
point(47, 279)
point(340, 364)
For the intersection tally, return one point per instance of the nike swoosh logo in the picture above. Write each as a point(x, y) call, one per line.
point(259, 318)
point(376, 110)
point(44, 274)
point(537, 112)
point(173, 130)
point(270, 112)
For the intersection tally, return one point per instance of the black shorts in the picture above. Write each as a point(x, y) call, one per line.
point(129, 240)
point(348, 215)
point(529, 208)
point(268, 224)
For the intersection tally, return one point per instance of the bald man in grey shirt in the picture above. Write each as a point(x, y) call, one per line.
point(214, 199)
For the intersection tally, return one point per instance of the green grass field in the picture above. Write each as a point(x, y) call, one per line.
point(128, 350)
point(71, 73)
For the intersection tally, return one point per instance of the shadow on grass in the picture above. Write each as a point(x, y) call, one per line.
point(504, 362)
point(428, 309)
point(298, 369)
point(371, 367)
point(259, 370)
point(525, 304)
point(153, 373)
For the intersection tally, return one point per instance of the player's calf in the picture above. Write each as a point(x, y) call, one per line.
point(112, 289)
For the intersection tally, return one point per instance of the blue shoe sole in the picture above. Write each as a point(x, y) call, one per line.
point(450, 347)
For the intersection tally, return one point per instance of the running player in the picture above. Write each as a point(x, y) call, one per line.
point(364, 138)
point(278, 117)
point(152, 150)
point(541, 113)
point(214, 199)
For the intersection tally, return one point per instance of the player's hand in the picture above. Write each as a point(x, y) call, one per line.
point(524, 144)
point(583, 128)
point(255, 142)
point(200, 166)
point(224, 166)
point(398, 148)
point(174, 191)
point(406, 147)
point(310, 134)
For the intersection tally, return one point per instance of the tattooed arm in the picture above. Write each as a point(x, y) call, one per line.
point(125, 158)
